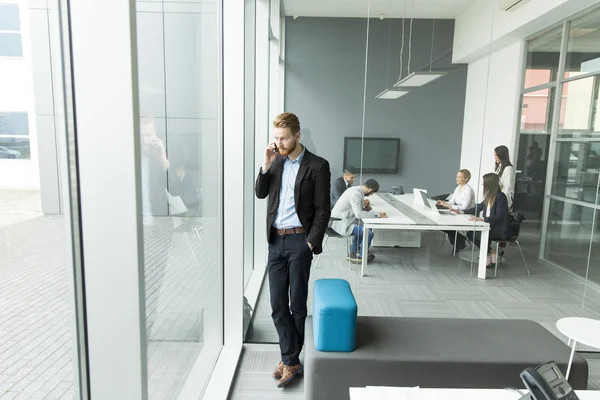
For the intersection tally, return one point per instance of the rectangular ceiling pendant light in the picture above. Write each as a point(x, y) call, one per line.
point(391, 94)
point(419, 78)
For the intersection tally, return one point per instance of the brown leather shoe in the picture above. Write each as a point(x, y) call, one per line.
point(289, 373)
point(278, 373)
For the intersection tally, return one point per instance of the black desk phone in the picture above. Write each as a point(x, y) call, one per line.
point(546, 382)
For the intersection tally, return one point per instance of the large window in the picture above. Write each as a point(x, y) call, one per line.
point(180, 108)
point(10, 31)
point(14, 136)
point(559, 141)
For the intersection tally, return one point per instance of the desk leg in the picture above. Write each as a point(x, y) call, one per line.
point(571, 360)
point(365, 250)
point(485, 236)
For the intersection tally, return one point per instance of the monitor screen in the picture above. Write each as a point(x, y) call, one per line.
point(379, 155)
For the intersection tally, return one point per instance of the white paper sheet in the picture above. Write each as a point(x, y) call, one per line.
point(386, 393)
point(176, 205)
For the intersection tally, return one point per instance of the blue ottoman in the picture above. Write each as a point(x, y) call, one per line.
point(334, 316)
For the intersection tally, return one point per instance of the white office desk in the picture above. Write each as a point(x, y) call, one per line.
point(470, 394)
point(405, 214)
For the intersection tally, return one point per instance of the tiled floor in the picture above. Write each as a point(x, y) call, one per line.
point(35, 312)
point(182, 276)
point(254, 381)
point(426, 282)
point(19, 205)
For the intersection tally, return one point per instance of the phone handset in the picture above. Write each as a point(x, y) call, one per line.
point(546, 382)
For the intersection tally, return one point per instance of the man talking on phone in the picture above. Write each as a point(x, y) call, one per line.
point(297, 183)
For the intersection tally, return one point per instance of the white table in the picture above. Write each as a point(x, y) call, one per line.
point(579, 330)
point(416, 217)
point(471, 394)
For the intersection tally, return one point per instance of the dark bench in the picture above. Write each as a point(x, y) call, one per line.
point(436, 353)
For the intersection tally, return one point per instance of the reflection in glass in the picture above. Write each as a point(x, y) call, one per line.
point(594, 269)
point(249, 138)
point(579, 115)
point(14, 123)
point(583, 51)
point(9, 18)
point(569, 235)
point(534, 142)
point(14, 148)
point(10, 45)
point(532, 162)
point(542, 59)
point(537, 111)
point(576, 170)
point(180, 96)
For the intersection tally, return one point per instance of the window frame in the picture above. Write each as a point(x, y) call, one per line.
point(18, 32)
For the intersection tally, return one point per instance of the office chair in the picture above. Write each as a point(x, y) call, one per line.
point(516, 219)
point(331, 233)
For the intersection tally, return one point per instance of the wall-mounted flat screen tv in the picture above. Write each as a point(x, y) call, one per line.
point(379, 155)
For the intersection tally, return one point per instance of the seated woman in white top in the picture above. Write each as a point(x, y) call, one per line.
point(506, 172)
point(462, 199)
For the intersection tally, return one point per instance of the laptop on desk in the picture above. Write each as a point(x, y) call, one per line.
point(433, 206)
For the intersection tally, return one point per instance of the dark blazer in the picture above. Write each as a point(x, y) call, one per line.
point(311, 196)
point(498, 219)
point(338, 187)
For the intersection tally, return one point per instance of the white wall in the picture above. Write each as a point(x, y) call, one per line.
point(491, 108)
point(484, 20)
point(16, 95)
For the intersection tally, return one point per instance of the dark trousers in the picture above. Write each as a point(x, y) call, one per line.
point(475, 237)
point(289, 271)
point(460, 239)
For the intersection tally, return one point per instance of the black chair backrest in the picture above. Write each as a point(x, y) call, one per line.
point(515, 219)
point(519, 201)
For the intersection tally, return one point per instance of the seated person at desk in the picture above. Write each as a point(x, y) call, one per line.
point(495, 212)
point(462, 199)
point(350, 208)
point(342, 183)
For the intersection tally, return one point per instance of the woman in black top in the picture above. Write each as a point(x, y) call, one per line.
point(495, 212)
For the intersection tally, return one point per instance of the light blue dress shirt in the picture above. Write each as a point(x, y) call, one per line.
point(286, 212)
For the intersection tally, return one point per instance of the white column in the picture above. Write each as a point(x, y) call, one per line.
point(107, 130)
point(233, 205)
point(491, 109)
point(263, 127)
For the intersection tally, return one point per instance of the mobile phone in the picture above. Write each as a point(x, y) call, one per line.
point(275, 149)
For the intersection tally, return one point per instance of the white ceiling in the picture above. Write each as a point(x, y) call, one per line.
point(449, 9)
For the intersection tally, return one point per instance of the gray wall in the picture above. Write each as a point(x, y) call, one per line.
point(324, 82)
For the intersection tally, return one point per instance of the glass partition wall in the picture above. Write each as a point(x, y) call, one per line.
point(559, 141)
point(397, 76)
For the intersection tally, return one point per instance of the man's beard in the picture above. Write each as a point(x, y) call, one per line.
point(288, 150)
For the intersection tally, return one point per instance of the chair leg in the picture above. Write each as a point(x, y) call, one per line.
point(454, 247)
point(348, 242)
point(523, 257)
point(319, 256)
point(496, 267)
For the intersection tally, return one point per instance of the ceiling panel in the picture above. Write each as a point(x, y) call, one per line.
point(389, 8)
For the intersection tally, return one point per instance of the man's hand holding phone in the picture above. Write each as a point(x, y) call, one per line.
point(270, 156)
